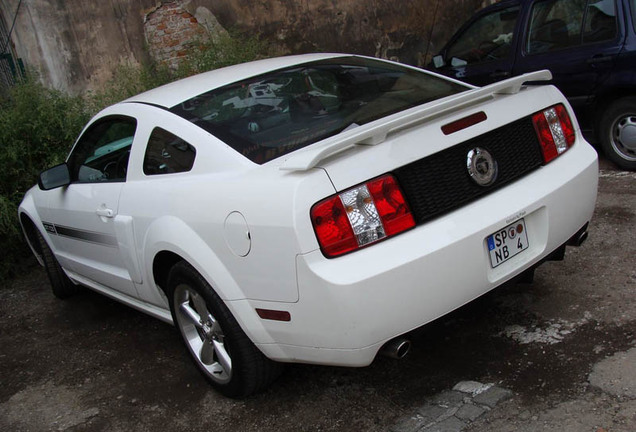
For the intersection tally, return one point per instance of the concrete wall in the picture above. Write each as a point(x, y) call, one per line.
point(76, 44)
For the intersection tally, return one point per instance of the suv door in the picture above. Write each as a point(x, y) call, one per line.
point(483, 51)
point(80, 218)
point(578, 40)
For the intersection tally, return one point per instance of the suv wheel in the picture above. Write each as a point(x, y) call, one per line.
point(618, 132)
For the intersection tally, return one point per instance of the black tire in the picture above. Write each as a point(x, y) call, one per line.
point(61, 285)
point(212, 336)
point(617, 132)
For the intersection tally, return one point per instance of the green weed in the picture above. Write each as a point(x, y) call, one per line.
point(38, 125)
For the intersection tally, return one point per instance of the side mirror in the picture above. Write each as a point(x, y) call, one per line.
point(54, 177)
point(438, 61)
point(457, 62)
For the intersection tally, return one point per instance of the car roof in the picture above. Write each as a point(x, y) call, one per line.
point(176, 92)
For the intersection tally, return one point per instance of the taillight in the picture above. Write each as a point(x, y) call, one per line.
point(555, 131)
point(361, 216)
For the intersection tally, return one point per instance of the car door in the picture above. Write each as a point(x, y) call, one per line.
point(80, 217)
point(578, 40)
point(483, 51)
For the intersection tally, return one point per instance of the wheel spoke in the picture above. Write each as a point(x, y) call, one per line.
point(195, 343)
point(223, 357)
point(202, 333)
point(201, 307)
point(191, 314)
point(206, 354)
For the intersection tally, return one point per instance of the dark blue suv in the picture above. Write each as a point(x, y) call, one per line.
point(589, 45)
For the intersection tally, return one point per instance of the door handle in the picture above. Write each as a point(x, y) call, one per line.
point(600, 59)
point(105, 212)
point(500, 74)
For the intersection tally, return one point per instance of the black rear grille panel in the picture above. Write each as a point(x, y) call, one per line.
point(440, 183)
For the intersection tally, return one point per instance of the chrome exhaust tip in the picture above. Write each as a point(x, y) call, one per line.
point(396, 348)
point(579, 238)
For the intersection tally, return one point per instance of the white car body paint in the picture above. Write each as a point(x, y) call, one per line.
point(246, 227)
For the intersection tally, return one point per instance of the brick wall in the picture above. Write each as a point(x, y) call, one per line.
point(170, 31)
point(75, 45)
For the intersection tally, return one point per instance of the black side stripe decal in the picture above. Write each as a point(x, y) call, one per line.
point(82, 235)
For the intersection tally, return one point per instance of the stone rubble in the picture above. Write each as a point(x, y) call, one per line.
point(453, 410)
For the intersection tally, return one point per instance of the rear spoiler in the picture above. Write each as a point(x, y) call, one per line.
point(305, 159)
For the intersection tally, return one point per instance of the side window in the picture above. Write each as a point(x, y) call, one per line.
point(560, 24)
point(102, 152)
point(488, 38)
point(167, 153)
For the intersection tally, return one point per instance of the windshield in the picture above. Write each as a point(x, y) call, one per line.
point(276, 113)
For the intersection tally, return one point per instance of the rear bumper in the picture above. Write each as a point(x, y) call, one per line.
point(350, 306)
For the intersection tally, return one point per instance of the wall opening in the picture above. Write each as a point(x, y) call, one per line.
point(170, 31)
point(11, 67)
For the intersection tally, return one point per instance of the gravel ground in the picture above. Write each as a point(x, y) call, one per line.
point(562, 349)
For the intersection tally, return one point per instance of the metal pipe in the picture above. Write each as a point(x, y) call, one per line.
point(397, 348)
point(581, 238)
point(578, 238)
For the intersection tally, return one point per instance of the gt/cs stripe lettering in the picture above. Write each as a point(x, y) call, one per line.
point(49, 227)
point(82, 235)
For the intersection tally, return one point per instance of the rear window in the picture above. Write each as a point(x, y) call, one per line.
point(276, 113)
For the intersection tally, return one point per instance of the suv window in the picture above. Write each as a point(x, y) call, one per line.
point(101, 153)
point(167, 154)
point(279, 112)
point(564, 23)
point(488, 38)
point(600, 21)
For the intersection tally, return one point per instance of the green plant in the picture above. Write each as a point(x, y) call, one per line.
point(223, 50)
point(37, 128)
point(39, 125)
point(129, 80)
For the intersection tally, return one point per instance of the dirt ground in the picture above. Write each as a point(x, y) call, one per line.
point(564, 345)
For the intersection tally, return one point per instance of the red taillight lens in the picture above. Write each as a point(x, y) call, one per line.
point(360, 216)
point(555, 131)
point(332, 227)
point(389, 200)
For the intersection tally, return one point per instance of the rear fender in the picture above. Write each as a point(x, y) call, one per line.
point(170, 234)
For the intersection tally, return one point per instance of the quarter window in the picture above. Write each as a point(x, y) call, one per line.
point(167, 154)
point(600, 21)
point(102, 152)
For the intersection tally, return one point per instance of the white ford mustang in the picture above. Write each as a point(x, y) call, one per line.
point(312, 208)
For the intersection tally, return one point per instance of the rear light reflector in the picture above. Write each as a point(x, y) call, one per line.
point(361, 216)
point(555, 131)
point(274, 315)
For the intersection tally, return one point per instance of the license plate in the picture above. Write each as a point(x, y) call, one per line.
point(507, 242)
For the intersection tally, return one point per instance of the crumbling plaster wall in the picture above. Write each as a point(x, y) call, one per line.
point(76, 44)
